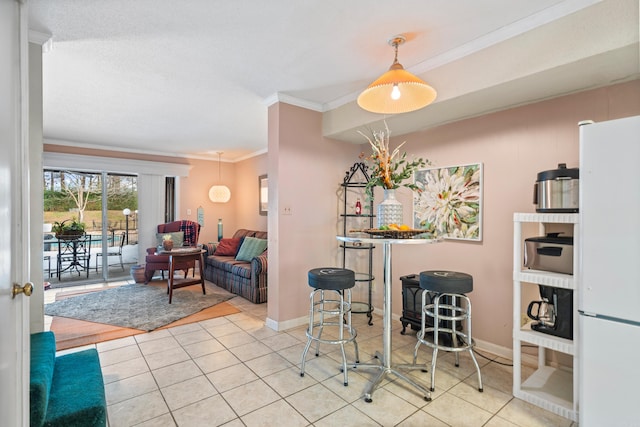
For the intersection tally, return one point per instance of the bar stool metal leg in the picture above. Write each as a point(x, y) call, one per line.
point(460, 341)
point(337, 305)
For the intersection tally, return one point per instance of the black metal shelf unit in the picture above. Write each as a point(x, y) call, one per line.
point(354, 183)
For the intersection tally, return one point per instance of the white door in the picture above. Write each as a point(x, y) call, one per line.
point(14, 313)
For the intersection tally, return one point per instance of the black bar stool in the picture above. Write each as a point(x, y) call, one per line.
point(450, 305)
point(331, 296)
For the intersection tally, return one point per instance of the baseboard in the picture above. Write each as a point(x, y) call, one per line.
point(287, 324)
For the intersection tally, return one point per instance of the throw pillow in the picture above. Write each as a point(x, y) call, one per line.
point(227, 247)
point(177, 237)
point(251, 247)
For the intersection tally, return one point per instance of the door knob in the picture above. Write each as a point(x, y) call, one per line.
point(27, 289)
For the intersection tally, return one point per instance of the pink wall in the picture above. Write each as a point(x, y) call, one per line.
point(246, 183)
point(306, 170)
point(513, 145)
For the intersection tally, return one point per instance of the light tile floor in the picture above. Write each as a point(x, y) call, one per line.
point(234, 371)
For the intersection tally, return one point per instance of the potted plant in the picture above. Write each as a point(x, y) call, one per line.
point(69, 229)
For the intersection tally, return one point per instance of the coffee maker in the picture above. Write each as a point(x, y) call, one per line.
point(553, 314)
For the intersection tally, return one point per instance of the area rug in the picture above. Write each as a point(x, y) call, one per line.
point(72, 333)
point(137, 306)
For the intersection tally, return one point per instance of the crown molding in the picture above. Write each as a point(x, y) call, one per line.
point(43, 39)
point(292, 100)
point(111, 164)
point(213, 156)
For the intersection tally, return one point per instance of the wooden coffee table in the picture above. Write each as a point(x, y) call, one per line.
point(178, 257)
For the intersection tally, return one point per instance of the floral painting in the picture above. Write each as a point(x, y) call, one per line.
point(448, 201)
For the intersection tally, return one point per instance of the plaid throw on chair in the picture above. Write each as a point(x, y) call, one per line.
point(190, 230)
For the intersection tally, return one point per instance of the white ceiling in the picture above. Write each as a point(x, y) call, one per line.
point(194, 77)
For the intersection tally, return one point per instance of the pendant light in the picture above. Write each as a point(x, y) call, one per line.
point(397, 90)
point(219, 193)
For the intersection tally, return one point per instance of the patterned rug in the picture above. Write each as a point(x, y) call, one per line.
point(137, 306)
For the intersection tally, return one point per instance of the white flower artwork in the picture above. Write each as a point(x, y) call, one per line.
point(448, 202)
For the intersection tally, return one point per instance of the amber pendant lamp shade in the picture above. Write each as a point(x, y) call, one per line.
point(397, 90)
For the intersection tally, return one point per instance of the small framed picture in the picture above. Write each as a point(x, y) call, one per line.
point(263, 191)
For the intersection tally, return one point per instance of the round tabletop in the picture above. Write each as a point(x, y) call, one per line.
point(373, 240)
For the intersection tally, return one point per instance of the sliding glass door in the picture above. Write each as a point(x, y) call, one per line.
point(106, 204)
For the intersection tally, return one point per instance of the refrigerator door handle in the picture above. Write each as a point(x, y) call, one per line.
point(586, 313)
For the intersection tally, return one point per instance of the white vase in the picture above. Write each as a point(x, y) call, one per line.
point(390, 210)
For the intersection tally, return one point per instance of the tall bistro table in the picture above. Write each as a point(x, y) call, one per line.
point(386, 367)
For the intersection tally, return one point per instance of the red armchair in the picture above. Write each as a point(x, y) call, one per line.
point(160, 262)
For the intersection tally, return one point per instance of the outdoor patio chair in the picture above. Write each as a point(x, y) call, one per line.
point(112, 251)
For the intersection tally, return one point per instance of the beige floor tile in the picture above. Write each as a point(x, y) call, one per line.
point(119, 355)
point(113, 344)
point(522, 413)
point(422, 419)
point(165, 420)
point(278, 413)
point(231, 377)
point(122, 370)
point(185, 329)
point(176, 373)
point(455, 411)
point(496, 421)
point(321, 368)
point(127, 388)
point(268, 364)
point(239, 317)
point(216, 321)
point(316, 402)
point(299, 333)
point(214, 361)
point(155, 346)
point(212, 411)
point(236, 339)
point(407, 392)
point(187, 392)
point(498, 376)
point(136, 410)
point(294, 353)
point(289, 381)
point(250, 351)
point(218, 331)
point(250, 324)
point(157, 334)
point(166, 358)
point(249, 397)
point(193, 337)
point(264, 332)
point(354, 391)
point(280, 341)
point(490, 399)
point(235, 423)
point(201, 348)
point(346, 417)
point(386, 408)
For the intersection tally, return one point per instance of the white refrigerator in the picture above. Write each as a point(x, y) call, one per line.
point(609, 278)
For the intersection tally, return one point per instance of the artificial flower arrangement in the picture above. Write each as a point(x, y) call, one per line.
point(389, 169)
point(167, 242)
